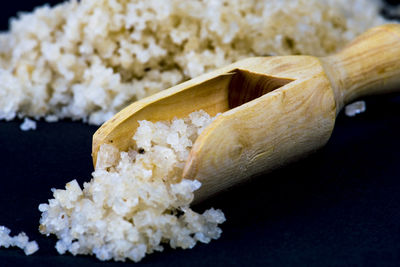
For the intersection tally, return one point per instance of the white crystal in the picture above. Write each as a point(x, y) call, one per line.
point(28, 124)
point(355, 108)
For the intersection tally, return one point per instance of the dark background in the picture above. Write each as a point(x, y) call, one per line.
point(338, 207)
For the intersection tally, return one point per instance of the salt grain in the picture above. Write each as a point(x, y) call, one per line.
point(21, 240)
point(28, 125)
point(355, 108)
point(31, 248)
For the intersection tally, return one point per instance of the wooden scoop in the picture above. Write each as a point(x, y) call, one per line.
point(274, 109)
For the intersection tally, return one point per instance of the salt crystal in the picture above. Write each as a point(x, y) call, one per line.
point(61, 247)
point(202, 238)
point(43, 207)
point(51, 118)
point(355, 108)
point(31, 248)
point(21, 240)
point(28, 124)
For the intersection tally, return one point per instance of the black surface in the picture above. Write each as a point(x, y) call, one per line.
point(338, 207)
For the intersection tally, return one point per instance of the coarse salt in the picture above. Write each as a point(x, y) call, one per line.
point(27, 125)
point(88, 59)
point(21, 241)
point(136, 201)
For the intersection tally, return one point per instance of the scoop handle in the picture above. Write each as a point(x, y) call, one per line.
point(368, 65)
